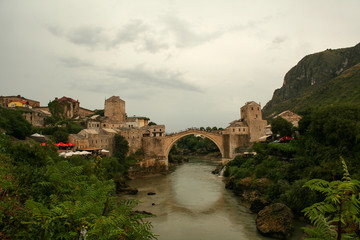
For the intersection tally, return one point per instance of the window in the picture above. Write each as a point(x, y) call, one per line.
point(252, 108)
point(233, 130)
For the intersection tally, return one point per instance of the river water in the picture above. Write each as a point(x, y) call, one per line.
point(193, 204)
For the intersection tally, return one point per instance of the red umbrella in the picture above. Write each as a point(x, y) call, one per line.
point(61, 144)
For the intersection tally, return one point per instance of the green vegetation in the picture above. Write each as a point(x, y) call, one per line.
point(60, 133)
point(44, 196)
point(282, 127)
point(14, 123)
point(340, 208)
point(320, 79)
point(325, 134)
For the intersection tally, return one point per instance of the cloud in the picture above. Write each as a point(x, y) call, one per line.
point(143, 36)
point(278, 40)
point(131, 32)
point(89, 36)
point(137, 77)
point(185, 35)
point(150, 44)
point(160, 78)
point(72, 62)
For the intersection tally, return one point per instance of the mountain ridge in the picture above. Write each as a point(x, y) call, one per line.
point(311, 75)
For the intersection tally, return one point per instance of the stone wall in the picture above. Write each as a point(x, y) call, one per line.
point(5, 100)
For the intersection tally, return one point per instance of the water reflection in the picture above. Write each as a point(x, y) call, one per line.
point(191, 203)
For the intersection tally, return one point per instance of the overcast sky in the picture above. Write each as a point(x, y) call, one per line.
point(182, 63)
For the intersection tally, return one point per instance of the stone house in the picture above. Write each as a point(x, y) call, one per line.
point(5, 100)
point(250, 123)
point(291, 117)
point(101, 129)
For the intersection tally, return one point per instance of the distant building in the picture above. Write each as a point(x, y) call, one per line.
point(100, 130)
point(291, 117)
point(72, 108)
point(5, 100)
point(250, 123)
point(23, 103)
point(36, 117)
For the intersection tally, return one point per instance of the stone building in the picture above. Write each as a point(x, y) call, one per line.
point(101, 129)
point(291, 117)
point(72, 108)
point(36, 117)
point(136, 122)
point(115, 109)
point(5, 100)
point(250, 123)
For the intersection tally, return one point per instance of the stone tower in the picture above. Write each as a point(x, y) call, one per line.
point(251, 114)
point(115, 109)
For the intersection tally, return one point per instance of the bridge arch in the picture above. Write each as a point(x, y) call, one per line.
point(214, 137)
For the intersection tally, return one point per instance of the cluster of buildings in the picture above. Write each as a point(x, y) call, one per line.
point(100, 130)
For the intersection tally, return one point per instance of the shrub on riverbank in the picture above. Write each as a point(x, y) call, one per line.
point(326, 134)
point(44, 196)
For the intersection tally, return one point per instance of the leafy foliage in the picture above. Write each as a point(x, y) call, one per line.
point(121, 147)
point(324, 138)
point(337, 217)
point(281, 126)
point(14, 123)
point(43, 196)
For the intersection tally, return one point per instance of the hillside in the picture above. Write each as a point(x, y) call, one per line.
point(328, 77)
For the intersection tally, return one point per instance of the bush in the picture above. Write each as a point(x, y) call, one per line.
point(14, 123)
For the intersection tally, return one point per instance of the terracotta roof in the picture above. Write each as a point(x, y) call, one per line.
point(67, 99)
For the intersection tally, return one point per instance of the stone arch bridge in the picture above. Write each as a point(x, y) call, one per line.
point(159, 147)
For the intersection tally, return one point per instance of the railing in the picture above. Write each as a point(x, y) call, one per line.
point(218, 132)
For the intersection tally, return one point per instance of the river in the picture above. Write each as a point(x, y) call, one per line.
point(193, 204)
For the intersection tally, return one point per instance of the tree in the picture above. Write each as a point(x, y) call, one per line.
point(121, 147)
point(338, 215)
point(14, 123)
point(151, 123)
point(60, 135)
point(280, 126)
point(44, 196)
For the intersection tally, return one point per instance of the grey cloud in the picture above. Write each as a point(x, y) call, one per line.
point(279, 40)
point(55, 30)
point(132, 78)
point(72, 62)
point(185, 36)
point(153, 45)
point(135, 31)
point(130, 32)
point(159, 78)
point(89, 36)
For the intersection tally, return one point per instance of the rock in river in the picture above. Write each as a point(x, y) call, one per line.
point(275, 220)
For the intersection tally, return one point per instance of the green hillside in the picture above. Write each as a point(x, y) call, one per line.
point(325, 78)
point(343, 89)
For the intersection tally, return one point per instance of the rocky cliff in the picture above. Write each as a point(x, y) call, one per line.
point(313, 75)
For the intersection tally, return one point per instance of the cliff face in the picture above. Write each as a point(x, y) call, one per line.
point(312, 72)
